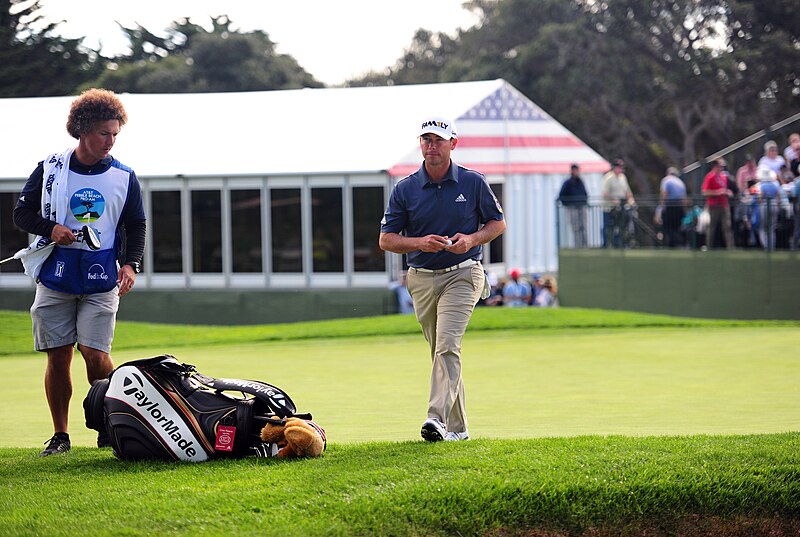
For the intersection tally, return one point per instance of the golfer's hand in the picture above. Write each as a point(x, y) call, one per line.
point(127, 277)
point(434, 243)
point(62, 235)
point(461, 243)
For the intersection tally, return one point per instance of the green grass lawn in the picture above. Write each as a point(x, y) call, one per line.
point(520, 384)
point(583, 420)
point(589, 485)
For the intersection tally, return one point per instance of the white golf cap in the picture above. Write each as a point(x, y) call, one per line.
point(438, 126)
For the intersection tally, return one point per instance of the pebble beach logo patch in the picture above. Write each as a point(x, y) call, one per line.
point(87, 205)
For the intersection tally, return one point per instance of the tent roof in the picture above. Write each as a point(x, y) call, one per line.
point(306, 131)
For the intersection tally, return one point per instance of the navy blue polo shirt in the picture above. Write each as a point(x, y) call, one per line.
point(460, 203)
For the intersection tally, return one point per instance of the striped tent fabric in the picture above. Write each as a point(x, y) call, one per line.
point(506, 133)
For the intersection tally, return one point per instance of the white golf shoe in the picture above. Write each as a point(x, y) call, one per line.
point(455, 437)
point(433, 430)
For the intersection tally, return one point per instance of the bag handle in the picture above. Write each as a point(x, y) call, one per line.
point(275, 398)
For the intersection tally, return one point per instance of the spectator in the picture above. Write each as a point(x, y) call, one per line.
point(517, 292)
point(404, 302)
point(495, 297)
point(771, 159)
point(746, 172)
point(733, 202)
point(794, 167)
point(785, 212)
point(716, 191)
point(796, 196)
point(616, 194)
point(548, 296)
point(536, 286)
point(751, 202)
point(742, 215)
point(769, 203)
point(792, 150)
point(671, 208)
point(574, 199)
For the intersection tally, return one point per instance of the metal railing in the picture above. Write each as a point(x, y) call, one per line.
point(736, 153)
point(755, 223)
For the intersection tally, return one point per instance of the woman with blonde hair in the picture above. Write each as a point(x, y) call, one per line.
point(548, 295)
point(771, 159)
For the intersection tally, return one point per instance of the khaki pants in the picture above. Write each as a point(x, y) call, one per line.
point(443, 303)
point(719, 216)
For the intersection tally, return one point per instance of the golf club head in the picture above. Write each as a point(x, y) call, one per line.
point(90, 238)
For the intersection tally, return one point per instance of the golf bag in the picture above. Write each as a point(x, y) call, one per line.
point(158, 408)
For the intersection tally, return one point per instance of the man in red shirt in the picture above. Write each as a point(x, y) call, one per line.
point(715, 189)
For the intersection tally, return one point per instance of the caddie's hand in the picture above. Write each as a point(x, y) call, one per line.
point(126, 279)
point(62, 235)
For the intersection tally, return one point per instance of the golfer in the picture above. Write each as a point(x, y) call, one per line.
point(440, 216)
point(80, 282)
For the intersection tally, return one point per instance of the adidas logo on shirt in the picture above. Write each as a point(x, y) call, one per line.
point(460, 198)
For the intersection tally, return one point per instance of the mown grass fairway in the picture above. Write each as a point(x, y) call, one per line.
point(632, 400)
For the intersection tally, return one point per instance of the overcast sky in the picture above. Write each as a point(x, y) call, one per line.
point(332, 39)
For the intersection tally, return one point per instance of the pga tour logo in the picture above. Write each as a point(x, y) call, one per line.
point(134, 390)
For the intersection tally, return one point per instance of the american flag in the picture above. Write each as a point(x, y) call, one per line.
point(506, 133)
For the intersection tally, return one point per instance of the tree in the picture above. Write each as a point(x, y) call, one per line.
point(190, 59)
point(764, 40)
point(659, 83)
point(34, 63)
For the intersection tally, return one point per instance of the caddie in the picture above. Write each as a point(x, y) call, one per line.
point(80, 282)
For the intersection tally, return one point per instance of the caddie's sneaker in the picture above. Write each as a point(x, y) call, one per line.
point(455, 437)
point(57, 445)
point(433, 430)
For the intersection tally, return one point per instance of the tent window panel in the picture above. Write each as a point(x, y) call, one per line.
point(496, 254)
point(368, 207)
point(165, 223)
point(246, 230)
point(12, 239)
point(286, 228)
point(206, 231)
point(328, 229)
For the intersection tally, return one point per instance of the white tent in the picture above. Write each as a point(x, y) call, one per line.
point(338, 132)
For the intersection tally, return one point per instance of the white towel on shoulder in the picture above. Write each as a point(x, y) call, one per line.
point(55, 204)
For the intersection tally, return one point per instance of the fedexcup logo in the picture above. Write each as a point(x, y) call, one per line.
point(137, 392)
point(96, 272)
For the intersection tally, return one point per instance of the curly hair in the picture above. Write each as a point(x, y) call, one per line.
point(91, 107)
point(550, 283)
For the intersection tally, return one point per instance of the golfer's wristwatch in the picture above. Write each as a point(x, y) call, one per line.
point(136, 266)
